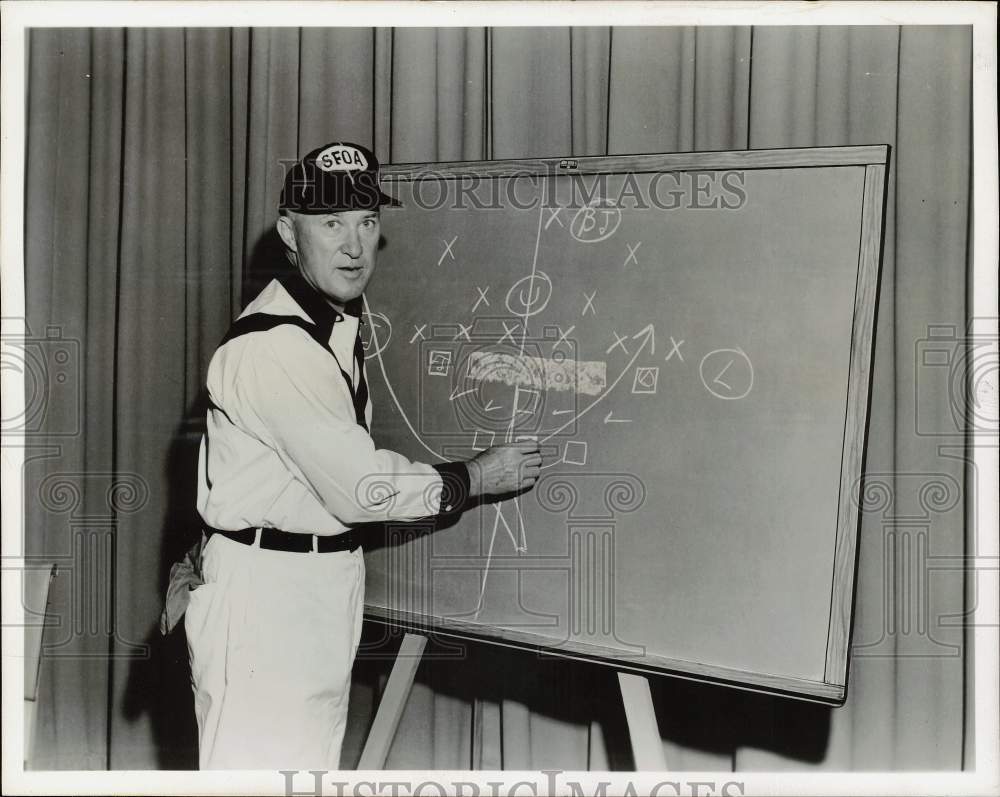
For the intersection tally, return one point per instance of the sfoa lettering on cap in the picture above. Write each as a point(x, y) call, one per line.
point(341, 158)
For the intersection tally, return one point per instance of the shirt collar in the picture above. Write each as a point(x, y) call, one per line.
point(322, 313)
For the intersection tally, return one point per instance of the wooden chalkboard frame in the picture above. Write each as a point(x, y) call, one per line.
point(875, 160)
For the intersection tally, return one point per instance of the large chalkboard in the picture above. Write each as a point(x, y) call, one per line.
point(689, 336)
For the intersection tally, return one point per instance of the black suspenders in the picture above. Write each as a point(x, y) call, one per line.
point(261, 322)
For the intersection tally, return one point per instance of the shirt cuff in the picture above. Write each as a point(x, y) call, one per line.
point(454, 486)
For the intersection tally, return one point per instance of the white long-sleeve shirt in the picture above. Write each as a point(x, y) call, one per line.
point(283, 446)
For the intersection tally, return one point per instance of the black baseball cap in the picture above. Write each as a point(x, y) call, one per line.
point(338, 176)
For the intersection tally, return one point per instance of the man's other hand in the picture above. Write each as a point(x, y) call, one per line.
point(506, 468)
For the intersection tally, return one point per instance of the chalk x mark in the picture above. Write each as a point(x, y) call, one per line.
point(554, 216)
point(562, 336)
point(447, 250)
point(675, 347)
point(508, 332)
point(619, 342)
point(631, 254)
point(481, 298)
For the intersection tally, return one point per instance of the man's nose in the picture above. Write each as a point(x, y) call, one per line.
point(352, 244)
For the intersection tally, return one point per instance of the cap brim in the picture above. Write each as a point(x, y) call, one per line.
point(384, 200)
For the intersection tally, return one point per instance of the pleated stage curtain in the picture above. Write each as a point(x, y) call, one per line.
point(154, 161)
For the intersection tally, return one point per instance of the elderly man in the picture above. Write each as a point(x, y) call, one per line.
point(288, 470)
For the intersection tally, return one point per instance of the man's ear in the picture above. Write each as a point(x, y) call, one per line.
point(286, 230)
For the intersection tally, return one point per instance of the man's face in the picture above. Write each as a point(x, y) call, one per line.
point(335, 251)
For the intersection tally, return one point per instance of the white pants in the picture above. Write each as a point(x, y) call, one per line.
point(272, 636)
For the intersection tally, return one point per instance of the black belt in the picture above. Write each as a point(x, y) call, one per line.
point(277, 540)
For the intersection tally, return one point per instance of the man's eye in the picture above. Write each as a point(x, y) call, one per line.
point(333, 223)
point(370, 223)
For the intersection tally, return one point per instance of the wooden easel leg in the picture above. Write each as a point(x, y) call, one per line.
point(647, 747)
point(390, 708)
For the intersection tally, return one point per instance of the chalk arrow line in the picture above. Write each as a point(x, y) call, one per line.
point(647, 330)
point(392, 393)
point(609, 419)
point(646, 333)
point(455, 394)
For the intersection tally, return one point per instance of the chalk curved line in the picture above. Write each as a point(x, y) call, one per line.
point(529, 308)
point(591, 207)
point(701, 373)
point(395, 398)
point(598, 400)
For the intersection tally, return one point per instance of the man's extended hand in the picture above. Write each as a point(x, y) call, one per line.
point(506, 468)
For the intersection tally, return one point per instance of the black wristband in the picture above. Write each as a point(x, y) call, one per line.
point(454, 486)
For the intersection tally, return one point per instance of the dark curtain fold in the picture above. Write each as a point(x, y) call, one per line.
point(154, 162)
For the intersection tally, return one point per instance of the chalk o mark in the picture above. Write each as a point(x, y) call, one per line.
point(378, 328)
point(596, 222)
point(531, 293)
point(727, 373)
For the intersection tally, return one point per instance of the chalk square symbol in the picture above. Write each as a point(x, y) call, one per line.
point(646, 378)
point(527, 401)
point(438, 363)
point(480, 445)
point(575, 452)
